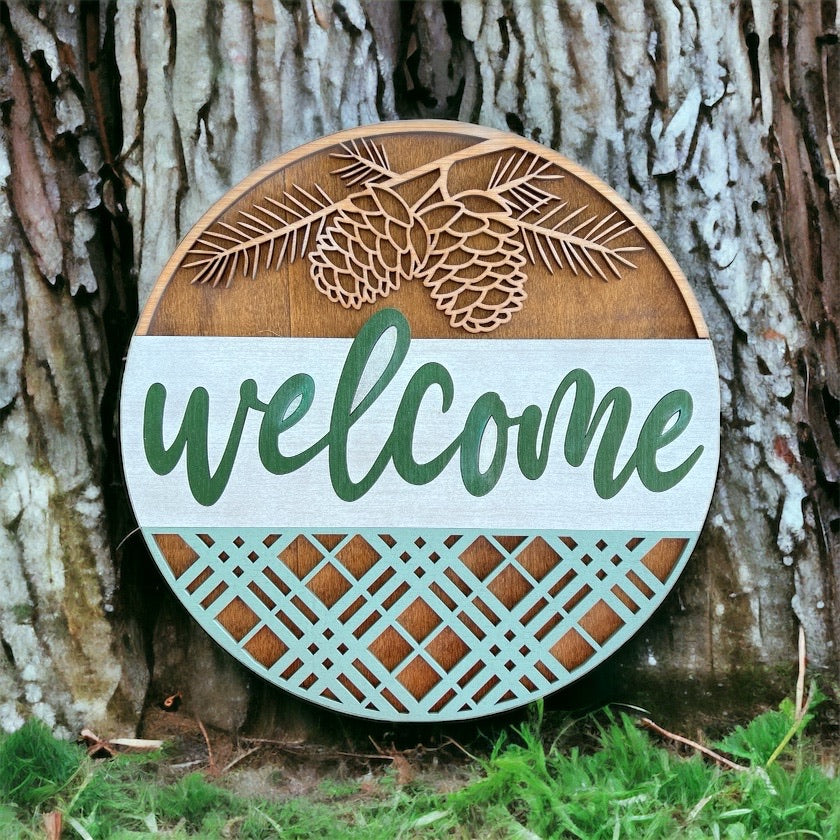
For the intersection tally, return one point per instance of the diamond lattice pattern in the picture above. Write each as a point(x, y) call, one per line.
point(419, 625)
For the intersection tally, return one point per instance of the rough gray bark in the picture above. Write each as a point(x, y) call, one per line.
point(804, 204)
point(63, 657)
point(210, 90)
point(703, 116)
point(666, 102)
point(718, 123)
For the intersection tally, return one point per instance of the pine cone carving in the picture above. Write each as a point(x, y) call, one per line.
point(474, 263)
point(368, 250)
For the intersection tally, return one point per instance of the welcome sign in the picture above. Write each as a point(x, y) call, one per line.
point(421, 421)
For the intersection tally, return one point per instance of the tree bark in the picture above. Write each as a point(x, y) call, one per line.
point(66, 656)
point(122, 124)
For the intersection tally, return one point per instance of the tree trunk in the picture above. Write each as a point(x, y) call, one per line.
point(67, 657)
point(121, 124)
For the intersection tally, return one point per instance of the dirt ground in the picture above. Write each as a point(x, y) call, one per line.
point(278, 768)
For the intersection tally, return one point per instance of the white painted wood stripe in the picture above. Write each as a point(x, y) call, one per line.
point(521, 372)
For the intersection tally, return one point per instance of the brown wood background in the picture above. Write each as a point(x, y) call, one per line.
point(122, 122)
point(653, 300)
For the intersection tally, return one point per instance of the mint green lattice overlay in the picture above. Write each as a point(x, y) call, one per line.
point(506, 662)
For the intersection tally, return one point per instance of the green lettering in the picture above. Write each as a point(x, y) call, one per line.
point(344, 415)
point(580, 433)
point(401, 442)
point(299, 389)
point(654, 436)
point(292, 401)
point(205, 486)
point(533, 463)
point(486, 408)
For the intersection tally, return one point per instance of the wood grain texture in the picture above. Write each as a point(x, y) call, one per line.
point(224, 280)
point(288, 303)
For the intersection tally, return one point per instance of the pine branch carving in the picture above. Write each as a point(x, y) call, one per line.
point(469, 249)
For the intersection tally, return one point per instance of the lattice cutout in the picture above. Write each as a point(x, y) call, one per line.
point(420, 625)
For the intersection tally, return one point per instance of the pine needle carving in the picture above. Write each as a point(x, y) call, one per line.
point(367, 163)
point(470, 249)
point(284, 232)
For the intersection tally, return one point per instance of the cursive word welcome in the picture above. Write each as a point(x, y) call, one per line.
point(534, 432)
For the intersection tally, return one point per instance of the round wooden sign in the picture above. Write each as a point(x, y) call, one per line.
point(421, 421)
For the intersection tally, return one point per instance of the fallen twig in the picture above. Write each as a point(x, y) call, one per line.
point(315, 752)
point(463, 749)
point(295, 748)
point(801, 706)
point(363, 756)
point(236, 759)
point(96, 746)
point(398, 760)
point(211, 761)
point(714, 756)
point(107, 747)
point(126, 537)
point(144, 744)
point(53, 825)
point(802, 702)
point(185, 764)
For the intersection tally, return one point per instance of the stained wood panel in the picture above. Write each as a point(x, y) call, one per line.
point(466, 231)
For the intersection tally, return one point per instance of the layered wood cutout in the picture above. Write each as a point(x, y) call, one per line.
point(446, 625)
point(400, 606)
point(470, 249)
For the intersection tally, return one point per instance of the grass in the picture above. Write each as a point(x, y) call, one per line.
point(601, 777)
point(628, 787)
